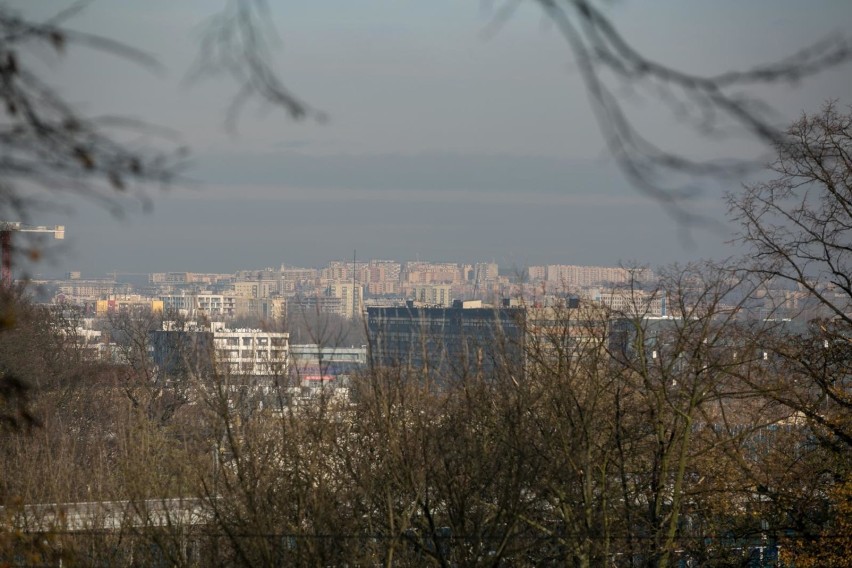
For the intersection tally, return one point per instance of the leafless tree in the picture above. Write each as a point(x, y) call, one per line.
point(798, 224)
point(681, 416)
point(709, 104)
point(238, 39)
point(46, 143)
point(237, 42)
point(158, 392)
point(799, 227)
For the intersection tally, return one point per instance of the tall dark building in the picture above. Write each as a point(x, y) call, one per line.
point(447, 343)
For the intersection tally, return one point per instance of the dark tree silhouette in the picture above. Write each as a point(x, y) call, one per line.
point(709, 104)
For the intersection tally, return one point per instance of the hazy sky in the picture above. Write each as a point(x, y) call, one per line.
point(441, 143)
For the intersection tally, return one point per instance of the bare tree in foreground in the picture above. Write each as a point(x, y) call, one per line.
point(799, 227)
point(710, 105)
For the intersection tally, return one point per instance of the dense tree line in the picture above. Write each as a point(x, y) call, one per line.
point(646, 444)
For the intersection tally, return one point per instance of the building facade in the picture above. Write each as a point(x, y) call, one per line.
point(446, 343)
point(213, 348)
point(437, 295)
point(351, 296)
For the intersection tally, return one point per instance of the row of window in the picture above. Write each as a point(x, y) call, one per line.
point(247, 341)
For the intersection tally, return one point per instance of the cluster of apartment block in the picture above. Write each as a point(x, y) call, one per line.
point(444, 319)
point(341, 287)
point(347, 288)
point(575, 277)
point(344, 288)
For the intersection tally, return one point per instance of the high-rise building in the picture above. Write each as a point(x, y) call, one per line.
point(270, 309)
point(537, 273)
point(294, 280)
point(201, 304)
point(351, 295)
point(446, 343)
point(486, 271)
point(384, 270)
point(435, 295)
point(201, 350)
point(575, 277)
point(256, 288)
point(631, 302)
point(418, 272)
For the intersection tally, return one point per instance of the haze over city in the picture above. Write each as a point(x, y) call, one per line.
point(446, 137)
point(434, 283)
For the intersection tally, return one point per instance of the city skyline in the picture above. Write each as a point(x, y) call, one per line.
point(557, 282)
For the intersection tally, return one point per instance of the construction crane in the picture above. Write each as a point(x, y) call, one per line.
point(6, 230)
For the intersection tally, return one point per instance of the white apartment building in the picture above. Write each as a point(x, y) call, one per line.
point(200, 304)
point(198, 348)
point(251, 351)
point(632, 303)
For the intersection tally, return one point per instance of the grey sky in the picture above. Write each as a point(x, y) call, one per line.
point(440, 143)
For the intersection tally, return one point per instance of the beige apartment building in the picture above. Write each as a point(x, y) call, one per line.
point(439, 295)
point(256, 288)
point(351, 296)
point(631, 302)
point(575, 277)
